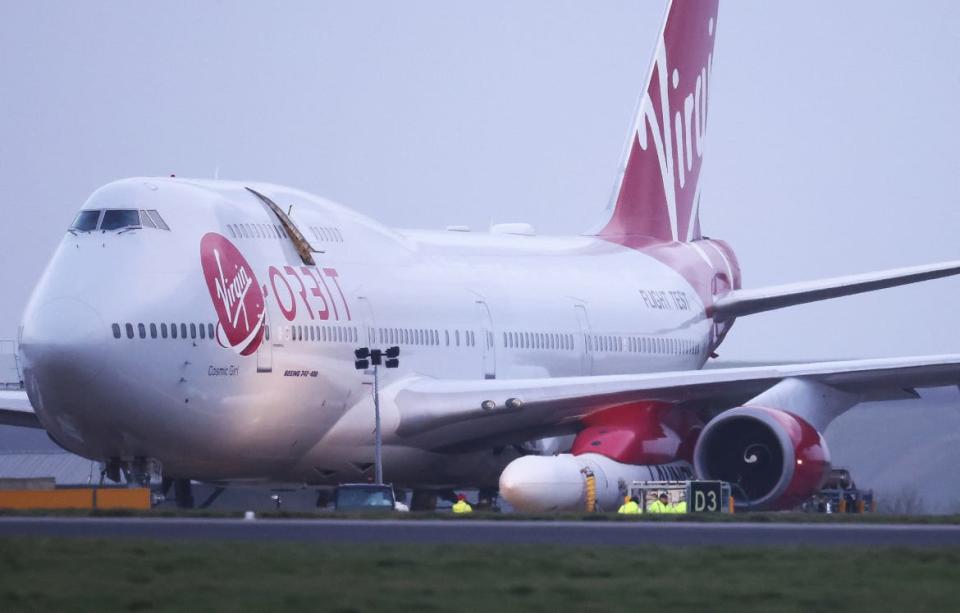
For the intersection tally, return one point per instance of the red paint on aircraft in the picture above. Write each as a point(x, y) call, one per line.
point(235, 293)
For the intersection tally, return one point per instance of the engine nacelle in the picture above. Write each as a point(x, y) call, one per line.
point(774, 458)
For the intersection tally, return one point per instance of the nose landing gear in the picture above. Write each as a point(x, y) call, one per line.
point(137, 472)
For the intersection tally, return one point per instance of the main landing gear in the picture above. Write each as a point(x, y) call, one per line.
point(182, 492)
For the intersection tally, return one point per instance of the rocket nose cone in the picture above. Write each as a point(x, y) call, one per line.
point(533, 484)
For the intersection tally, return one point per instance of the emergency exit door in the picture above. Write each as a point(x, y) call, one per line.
point(369, 321)
point(485, 342)
point(586, 347)
point(265, 351)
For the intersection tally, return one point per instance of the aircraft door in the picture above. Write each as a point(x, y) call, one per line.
point(486, 341)
point(720, 286)
point(368, 323)
point(265, 351)
point(586, 354)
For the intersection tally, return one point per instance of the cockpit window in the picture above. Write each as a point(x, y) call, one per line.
point(86, 221)
point(145, 220)
point(155, 216)
point(116, 219)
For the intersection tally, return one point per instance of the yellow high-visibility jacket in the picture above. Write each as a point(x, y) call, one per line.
point(629, 508)
point(658, 507)
point(462, 506)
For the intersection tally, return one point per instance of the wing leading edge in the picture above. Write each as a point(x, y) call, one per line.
point(748, 301)
point(441, 413)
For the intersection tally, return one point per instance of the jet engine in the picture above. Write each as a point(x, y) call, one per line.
point(773, 458)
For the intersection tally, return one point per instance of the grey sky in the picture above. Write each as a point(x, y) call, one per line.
point(831, 142)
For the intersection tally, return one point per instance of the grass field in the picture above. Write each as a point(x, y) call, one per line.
point(39, 574)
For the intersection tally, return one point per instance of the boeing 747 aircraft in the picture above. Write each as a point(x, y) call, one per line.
point(207, 329)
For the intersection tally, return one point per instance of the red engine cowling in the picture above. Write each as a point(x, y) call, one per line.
point(775, 459)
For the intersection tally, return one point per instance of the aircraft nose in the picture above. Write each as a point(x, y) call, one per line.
point(63, 339)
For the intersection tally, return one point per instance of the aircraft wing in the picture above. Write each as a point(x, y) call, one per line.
point(15, 410)
point(443, 414)
point(749, 301)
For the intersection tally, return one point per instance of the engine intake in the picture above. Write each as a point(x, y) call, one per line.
point(774, 458)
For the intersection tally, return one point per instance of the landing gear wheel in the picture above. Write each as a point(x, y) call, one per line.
point(183, 493)
point(423, 500)
point(487, 498)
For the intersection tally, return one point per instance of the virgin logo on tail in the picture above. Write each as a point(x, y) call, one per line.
point(659, 190)
point(235, 293)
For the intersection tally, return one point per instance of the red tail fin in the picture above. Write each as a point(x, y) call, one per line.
point(657, 195)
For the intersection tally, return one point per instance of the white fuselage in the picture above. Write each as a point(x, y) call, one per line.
point(460, 305)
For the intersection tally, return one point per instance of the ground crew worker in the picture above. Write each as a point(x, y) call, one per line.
point(462, 506)
point(629, 506)
point(680, 507)
point(660, 505)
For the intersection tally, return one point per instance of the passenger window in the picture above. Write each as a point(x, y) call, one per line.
point(116, 219)
point(203, 331)
point(116, 330)
point(210, 333)
point(163, 330)
point(193, 330)
point(183, 330)
point(86, 221)
point(153, 330)
point(142, 330)
point(173, 330)
point(129, 330)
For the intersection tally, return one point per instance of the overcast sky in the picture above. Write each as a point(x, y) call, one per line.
point(831, 148)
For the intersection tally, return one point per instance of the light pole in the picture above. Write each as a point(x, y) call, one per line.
point(365, 357)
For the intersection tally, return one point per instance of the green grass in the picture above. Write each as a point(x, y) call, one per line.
point(42, 574)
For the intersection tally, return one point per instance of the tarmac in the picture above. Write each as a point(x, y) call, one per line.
point(487, 532)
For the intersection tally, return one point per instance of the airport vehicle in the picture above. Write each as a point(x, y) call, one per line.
point(364, 497)
point(209, 328)
point(696, 496)
point(839, 494)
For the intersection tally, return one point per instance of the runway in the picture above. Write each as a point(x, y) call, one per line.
point(487, 532)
